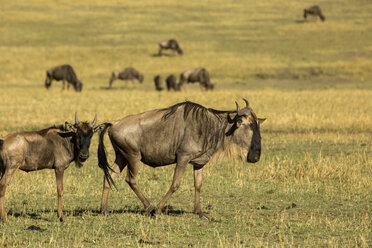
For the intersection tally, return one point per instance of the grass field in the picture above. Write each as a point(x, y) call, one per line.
point(311, 80)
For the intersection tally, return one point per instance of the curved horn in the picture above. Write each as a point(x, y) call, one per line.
point(246, 103)
point(76, 118)
point(95, 120)
point(237, 107)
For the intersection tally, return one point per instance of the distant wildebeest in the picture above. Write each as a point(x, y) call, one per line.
point(200, 75)
point(171, 45)
point(64, 73)
point(157, 81)
point(183, 133)
point(315, 11)
point(171, 82)
point(50, 148)
point(128, 73)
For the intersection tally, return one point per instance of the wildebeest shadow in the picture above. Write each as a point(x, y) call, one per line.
point(37, 215)
point(161, 55)
point(300, 21)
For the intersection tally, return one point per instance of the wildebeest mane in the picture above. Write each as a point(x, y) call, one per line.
point(198, 111)
point(211, 123)
point(44, 131)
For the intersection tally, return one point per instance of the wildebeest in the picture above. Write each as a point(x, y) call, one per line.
point(64, 73)
point(128, 73)
point(50, 148)
point(200, 75)
point(315, 11)
point(157, 81)
point(171, 82)
point(183, 133)
point(171, 45)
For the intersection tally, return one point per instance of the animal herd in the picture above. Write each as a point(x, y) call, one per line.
point(185, 133)
point(66, 73)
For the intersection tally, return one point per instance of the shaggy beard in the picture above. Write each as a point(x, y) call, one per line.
point(78, 164)
point(231, 152)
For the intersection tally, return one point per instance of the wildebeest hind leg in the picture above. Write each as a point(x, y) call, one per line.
point(132, 181)
point(7, 175)
point(177, 178)
point(198, 184)
point(117, 168)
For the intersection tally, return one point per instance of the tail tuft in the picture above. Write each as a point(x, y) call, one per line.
point(102, 158)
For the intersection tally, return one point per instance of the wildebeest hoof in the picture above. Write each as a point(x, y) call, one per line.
point(61, 219)
point(204, 217)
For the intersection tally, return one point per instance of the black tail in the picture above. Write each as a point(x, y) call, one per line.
point(1, 144)
point(102, 158)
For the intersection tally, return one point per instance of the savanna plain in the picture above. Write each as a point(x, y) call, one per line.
point(312, 80)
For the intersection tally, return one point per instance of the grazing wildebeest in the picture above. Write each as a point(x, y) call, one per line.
point(170, 44)
point(171, 82)
point(64, 73)
point(157, 81)
point(128, 73)
point(184, 133)
point(50, 148)
point(200, 75)
point(315, 11)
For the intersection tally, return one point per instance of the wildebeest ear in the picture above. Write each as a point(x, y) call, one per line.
point(260, 120)
point(70, 127)
point(99, 127)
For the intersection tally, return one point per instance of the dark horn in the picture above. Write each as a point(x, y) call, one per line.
point(76, 118)
point(246, 103)
point(237, 107)
point(94, 121)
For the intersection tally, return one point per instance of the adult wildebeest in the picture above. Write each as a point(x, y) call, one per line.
point(170, 44)
point(200, 75)
point(64, 73)
point(184, 133)
point(315, 11)
point(50, 148)
point(157, 81)
point(128, 73)
point(171, 82)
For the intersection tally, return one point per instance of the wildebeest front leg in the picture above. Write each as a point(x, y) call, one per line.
point(59, 179)
point(177, 178)
point(117, 168)
point(198, 173)
point(7, 175)
point(132, 181)
point(63, 84)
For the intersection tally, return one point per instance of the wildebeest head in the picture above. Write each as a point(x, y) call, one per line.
point(79, 86)
point(82, 133)
point(140, 78)
point(245, 131)
point(179, 51)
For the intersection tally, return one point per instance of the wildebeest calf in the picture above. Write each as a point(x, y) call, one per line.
point(183, 133)
point(171, 82)
point(64, 73)
point(51, 148)
point(315, 11)
point(171, 45)
point(200, 75)
point(157, 81)
point(128, 73)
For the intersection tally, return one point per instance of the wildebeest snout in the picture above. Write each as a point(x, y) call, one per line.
point(254, 155)
point(84, 155)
